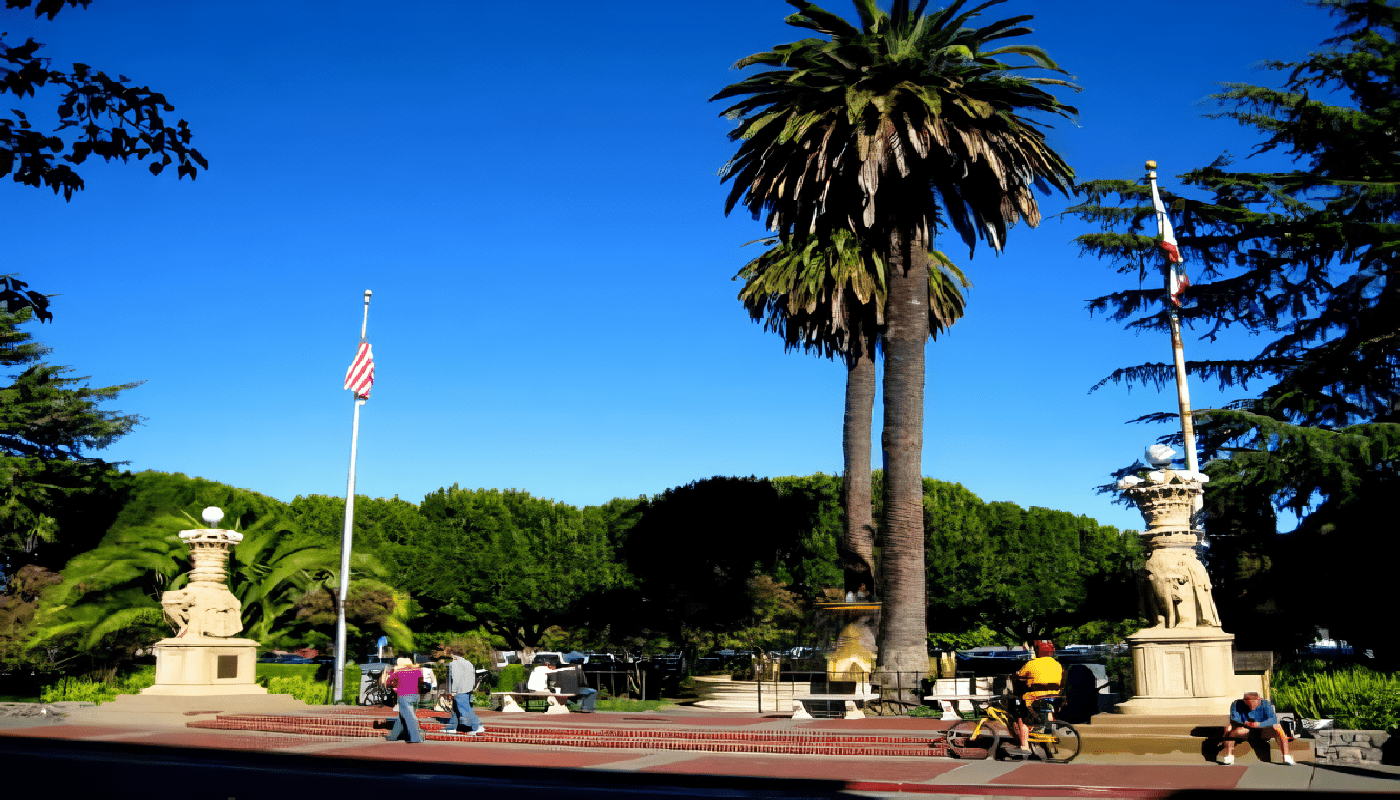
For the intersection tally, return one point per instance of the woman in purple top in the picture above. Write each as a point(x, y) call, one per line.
point(407, 681)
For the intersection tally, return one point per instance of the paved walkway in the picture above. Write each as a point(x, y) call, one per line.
point(1090, 775)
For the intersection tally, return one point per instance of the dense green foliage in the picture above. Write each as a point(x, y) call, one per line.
point(723, 562)
point(1307, 259)
point(113, 119)
point(1022, 572)
point(508, 562)
point(1353, 697)
point(48, 481)
point(55, 498)
point(112, 593)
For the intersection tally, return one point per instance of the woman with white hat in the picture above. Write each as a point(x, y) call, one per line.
point(408, 682)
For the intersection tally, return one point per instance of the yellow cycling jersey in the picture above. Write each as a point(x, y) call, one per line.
point(1042, 677)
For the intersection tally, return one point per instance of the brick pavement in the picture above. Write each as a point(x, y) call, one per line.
point(1090, 775)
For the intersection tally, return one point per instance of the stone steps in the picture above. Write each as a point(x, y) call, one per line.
point(720, 693)
point(1194, 735)
point(704, 740)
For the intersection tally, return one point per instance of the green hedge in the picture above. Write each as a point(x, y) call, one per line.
point(87, 690)
point(287, 671)
point(309, 683)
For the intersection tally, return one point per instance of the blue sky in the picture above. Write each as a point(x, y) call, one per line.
point(531, 193)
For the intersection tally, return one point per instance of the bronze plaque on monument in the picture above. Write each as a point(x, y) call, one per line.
point(1253, 660)
point(228, 667)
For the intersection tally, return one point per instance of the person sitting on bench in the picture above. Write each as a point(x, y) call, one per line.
point(570, 680)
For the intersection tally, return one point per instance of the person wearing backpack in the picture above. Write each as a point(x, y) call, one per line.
point(461, 682)
point(408, 682)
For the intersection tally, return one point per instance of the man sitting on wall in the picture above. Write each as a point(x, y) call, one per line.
point(1250, 715)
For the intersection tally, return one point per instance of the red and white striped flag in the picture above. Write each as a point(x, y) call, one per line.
point(360, 377)
point(1179, 281)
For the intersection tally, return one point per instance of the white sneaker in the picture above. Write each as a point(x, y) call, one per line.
point(1227, 760)
point(1289, 761)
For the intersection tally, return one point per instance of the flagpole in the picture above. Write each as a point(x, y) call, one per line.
point(345, 537)
point(1183, 394)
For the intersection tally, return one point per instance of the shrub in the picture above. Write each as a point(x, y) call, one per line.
point(1121, 677)
point(303, 687)
point(87, 690)
point(1355, 698)
point(511, 675)
point(286, 670)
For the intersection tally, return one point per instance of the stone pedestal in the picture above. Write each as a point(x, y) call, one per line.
point(1181, 671)
point(205, 666)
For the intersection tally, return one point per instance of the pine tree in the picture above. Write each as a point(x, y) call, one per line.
point(48, 422)
point(1307, 258)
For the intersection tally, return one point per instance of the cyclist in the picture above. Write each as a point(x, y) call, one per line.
point(1040, 677)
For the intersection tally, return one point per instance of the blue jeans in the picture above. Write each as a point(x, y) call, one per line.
point(587, 698)
point(462, 713)
point(407, 719)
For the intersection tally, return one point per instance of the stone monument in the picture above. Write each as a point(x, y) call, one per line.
point(1183, 664)
point(204, 657)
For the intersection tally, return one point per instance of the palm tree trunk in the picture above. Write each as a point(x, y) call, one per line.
point(855, 443)
point(903, 638)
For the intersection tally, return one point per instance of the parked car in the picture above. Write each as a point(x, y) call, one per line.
point(283, 658)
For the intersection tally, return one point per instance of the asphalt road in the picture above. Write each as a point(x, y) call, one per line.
point(112, 771)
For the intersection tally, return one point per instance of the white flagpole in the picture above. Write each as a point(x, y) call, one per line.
point(345, 538)
point(1183, 395)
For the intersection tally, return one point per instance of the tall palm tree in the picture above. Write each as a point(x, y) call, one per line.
point(893, 130)
point(828, 298)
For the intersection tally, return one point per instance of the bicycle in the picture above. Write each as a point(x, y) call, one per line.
point(1056, 741)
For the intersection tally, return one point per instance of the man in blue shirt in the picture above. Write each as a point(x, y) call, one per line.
point(1251, 715)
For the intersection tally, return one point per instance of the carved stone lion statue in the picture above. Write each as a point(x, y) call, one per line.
point(203, 609)
point(1177, 591)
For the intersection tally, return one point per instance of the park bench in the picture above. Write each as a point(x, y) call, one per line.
point(800, 703)
point(509, 704)
point(949, 693)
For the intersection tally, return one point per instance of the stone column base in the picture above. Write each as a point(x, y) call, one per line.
point(1181, 671)
point(205, 666)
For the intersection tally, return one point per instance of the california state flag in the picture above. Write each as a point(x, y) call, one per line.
point(1178, 280)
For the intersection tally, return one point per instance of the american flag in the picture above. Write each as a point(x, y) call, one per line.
point(1179, 281)
point(360, 377)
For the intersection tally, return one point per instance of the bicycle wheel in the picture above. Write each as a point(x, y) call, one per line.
point(376, 695)
point(967, 740)
point(1064, 741)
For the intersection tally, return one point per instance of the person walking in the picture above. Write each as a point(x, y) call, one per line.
point(461, 682)
point(407, 681)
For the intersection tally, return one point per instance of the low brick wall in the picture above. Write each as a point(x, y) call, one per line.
point(1348, 747)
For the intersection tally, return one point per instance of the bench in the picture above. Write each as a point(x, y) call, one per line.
point(799, 704)
point(949, 692)
point(947, 701)
point(509, 705)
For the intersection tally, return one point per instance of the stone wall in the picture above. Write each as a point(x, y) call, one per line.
point(1348, 747)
